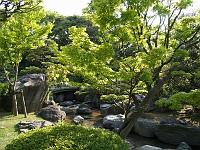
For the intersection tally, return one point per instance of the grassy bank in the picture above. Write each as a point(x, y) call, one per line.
point(8, 128)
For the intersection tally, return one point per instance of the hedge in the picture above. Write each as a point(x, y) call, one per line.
point(68, 137)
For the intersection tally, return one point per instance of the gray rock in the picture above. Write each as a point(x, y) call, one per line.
point(34, 88)
point(70, 109)
point(66, 103)
point(23, 130)
point(110, 109)
point(149, 147)
point(113, 121)
point(52, 113)
point(24, 126)
point(103, 109)
point(174, 132)
point(145, 127)
point(184, 146)
point(78, 120)
point(84, 110)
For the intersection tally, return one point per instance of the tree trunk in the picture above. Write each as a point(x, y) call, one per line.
point(129, 123)
point(15, 107)
point(24, 104)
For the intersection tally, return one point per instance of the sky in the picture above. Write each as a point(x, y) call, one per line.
point(66, 7)
point(74, 7)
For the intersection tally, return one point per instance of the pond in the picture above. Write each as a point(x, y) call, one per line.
point(135, 140)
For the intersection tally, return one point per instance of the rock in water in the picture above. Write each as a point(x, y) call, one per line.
point(78, 120)
point(113, 121)
point(174, 132)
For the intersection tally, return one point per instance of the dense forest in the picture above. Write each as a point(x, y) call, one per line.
point(118, 48)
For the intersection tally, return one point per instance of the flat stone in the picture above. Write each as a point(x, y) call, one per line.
point(23, 130)
point(67, 103)
point(149, 147)
point(70, 109)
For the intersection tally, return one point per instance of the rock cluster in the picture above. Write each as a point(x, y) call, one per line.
point(24, 126)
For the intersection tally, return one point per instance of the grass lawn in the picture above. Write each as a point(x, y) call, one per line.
point(8, 129)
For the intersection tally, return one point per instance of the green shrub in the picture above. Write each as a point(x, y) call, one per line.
point(30, 70)
point(112, 97)
point(68, 137)
point(4, 88)
point(178, 100)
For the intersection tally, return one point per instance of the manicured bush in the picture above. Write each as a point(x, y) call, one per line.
point(68, 137)
point(112, 97)
point(178, 100)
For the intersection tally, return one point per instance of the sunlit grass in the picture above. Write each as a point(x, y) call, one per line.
point(8, 128)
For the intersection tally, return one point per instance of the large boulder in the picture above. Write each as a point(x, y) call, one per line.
point(113, 121)
point(145, 127)
point(35, 90)
point(110, 109)
point(52, 113)
point(174, 132)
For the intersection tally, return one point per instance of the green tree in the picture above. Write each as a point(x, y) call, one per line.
point(60, 32)
point(19, 34)
point(141, 44)
point(38, 60)
point(10, 7)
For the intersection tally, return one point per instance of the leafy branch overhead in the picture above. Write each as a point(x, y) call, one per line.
point(11, 7)
point(142, 46)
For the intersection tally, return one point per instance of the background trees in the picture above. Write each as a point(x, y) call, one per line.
point(19, 34)
point(10, 7)
point(142, 44)
point(60, 33)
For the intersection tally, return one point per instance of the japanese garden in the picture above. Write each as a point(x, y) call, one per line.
point(125, 75)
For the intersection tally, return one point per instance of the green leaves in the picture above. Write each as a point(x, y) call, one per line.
point(56, 74)
point(19, 35)
point(183, 4)
point(178, 100)
point(161, 10)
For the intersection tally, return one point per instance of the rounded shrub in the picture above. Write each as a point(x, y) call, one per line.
point(68, 137)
